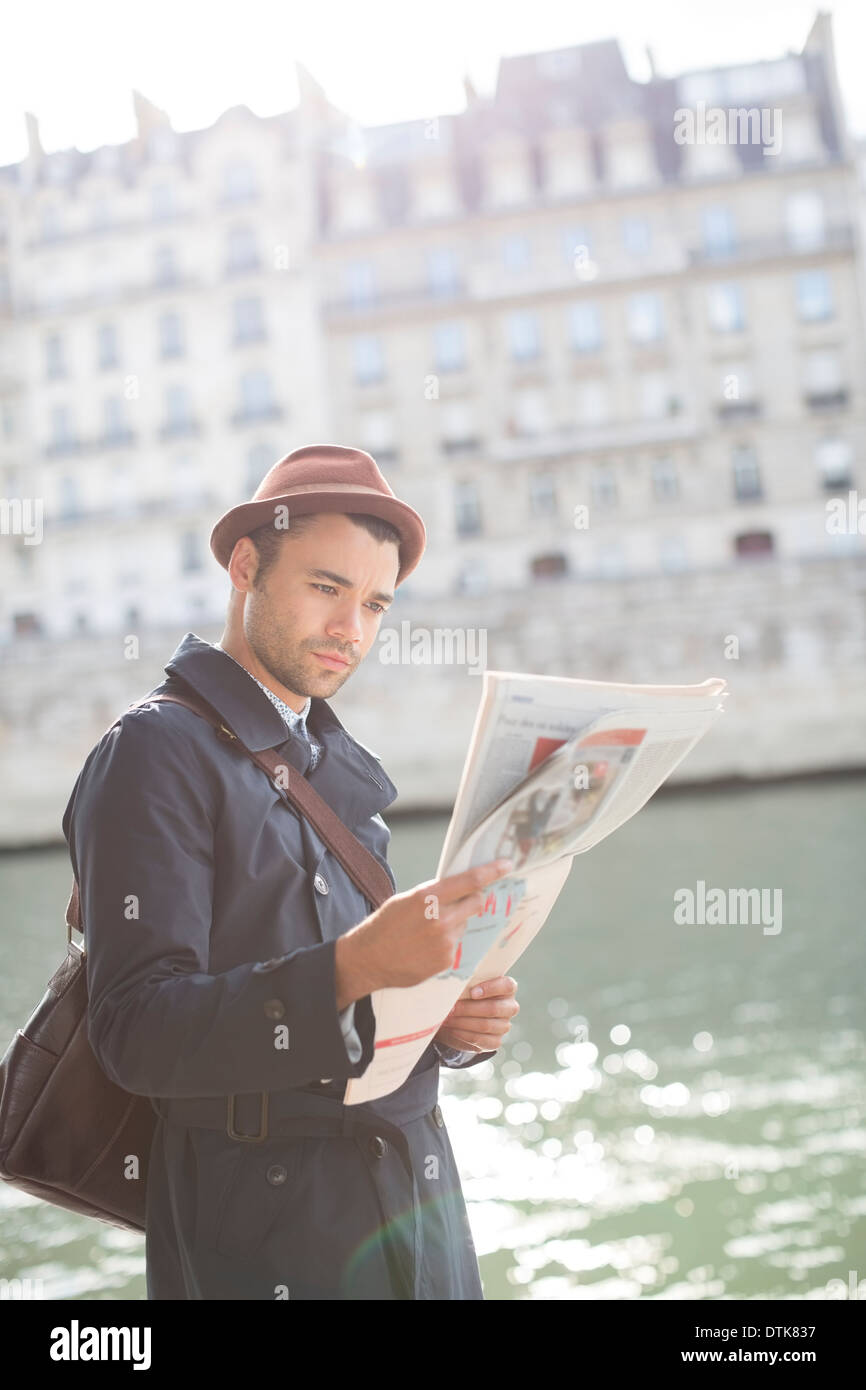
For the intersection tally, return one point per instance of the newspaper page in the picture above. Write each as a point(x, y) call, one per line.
point(554, 766)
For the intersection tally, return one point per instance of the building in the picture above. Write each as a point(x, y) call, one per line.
point(606, 335)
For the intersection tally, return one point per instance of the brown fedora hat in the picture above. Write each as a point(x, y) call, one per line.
point(323, 478)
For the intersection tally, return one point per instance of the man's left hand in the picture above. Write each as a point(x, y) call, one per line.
point(481, 1018)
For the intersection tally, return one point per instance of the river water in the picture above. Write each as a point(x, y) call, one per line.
point(679, 1110)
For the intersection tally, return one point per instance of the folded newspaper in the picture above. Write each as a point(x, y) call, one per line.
point(554, 766)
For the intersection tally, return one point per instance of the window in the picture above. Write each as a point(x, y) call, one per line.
point(591, 402)
point(516, 253)
point(604, 489)
point(55, 366)
point(260, 460)
point(530, 414)
point(239, 182)
point(814, 300)
point(361, 284)
point(747, 477)
point(61, 426)
point(725, 308)
point(249, 320)
point(754, 544)
point(804, 220)
point(665, 480)
point(473, 578)
point(242, 251)
point(377, 433)
point(107, 353)
point(162, 203)
point(256, 394)
point(542, 495)
point(552, 566)
point(636, 236)
point(673, 554)
point(165, 266)
point(656, 396)
point(116, 428)
point(523, 336)
point(70, 505)
point(576, 247)
point(369, 360)
point(717, 225)
point(645, 320)
point(611, 560)
point(190, 552)
point(467, 509)
point(178, 410)
point(449, 347)
point(459, 430)
point(833, 457)
point(442, 273)
point(171, 342)
point(52, 227)
point(585, 327)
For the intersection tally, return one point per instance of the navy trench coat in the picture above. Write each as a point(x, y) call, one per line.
point(210, 911)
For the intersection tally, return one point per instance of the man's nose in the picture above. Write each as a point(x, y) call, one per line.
point(345, 623)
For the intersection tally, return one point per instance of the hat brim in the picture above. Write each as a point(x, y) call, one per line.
point(243, 519)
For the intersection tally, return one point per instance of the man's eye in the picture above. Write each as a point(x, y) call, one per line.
point(380, 608)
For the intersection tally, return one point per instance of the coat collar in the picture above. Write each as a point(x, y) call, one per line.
point(349, 777)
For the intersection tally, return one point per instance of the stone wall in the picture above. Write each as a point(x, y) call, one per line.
point(798, 682)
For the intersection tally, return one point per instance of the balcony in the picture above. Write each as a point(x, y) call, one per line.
point(731, 411)
point(251, 415)
point(117, 439)
point(820, 401)
point(469, 445)
point(179, 429)
point(58, 448)
point(839, 238)
point(400, 299)
point(587, 439)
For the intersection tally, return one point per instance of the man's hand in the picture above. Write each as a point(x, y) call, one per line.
point(480, 1019)
point(413, 935)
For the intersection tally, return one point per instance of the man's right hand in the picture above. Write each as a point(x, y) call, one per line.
point(413, 935)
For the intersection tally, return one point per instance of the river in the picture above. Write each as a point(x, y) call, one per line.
point(679, 1110)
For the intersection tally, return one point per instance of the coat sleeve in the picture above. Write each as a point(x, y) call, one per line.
point(140, 830)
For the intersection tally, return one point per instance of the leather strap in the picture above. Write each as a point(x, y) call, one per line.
point(362, 867)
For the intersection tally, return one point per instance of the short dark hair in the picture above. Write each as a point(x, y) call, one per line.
point(268, 539)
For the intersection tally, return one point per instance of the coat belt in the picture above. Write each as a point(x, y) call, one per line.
point(305, 1114)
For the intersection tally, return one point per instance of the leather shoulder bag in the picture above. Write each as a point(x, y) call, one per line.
point(65, 1127)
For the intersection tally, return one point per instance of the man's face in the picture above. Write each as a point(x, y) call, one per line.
point(326, 593)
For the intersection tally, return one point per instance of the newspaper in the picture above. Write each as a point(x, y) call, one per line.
point(554, 766)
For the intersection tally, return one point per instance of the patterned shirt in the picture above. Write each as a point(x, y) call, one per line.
point(296, 719)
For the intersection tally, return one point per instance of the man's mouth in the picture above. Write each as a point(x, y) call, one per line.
point(337, 663)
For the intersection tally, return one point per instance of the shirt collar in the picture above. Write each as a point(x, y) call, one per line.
point(238, 697)
point(350, 777)
point(292, 717)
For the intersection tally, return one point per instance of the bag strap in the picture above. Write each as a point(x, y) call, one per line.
point(362, 867)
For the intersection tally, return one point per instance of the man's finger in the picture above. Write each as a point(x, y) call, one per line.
point(503, 1007)
point(491, 989)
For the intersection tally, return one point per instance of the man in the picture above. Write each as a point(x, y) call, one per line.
point(231, 958)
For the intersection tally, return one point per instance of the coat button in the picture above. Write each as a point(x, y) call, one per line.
point(274, 1008)
point(321, 884)
point(378, 1146)
point(437, 1116)
point(276, 1174)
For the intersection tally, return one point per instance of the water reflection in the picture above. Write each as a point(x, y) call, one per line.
point(678, 1112)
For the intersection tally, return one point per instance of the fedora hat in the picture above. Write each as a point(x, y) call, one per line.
point(323, 478)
